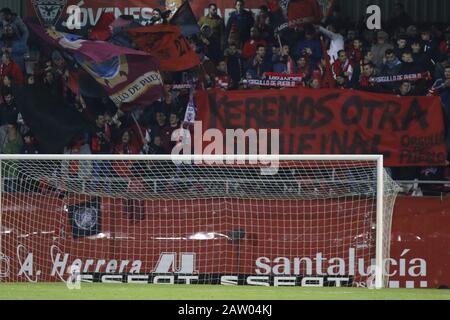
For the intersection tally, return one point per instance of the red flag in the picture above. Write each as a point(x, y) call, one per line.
point(327, 79)
point(102, 30)
point(185, 18)
point(167, 44)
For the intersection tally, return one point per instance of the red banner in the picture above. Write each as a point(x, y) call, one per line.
point(166, 238)
point(167, 44)
point(408, 131)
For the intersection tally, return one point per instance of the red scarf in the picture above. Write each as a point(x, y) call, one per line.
point(339, 68)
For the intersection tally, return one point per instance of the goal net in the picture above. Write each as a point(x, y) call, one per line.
point(287, 220)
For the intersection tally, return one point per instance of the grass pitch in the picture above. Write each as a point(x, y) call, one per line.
point(58, 291)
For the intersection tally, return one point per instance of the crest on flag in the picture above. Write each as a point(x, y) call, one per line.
point(49, 11)
point(110, 73)
point(85, 218)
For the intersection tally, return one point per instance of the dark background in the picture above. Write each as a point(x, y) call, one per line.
point(419, 10)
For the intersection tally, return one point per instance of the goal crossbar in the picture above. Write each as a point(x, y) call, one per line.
point(195, 157)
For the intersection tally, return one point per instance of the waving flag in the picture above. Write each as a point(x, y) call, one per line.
point(103, 30)
point(167, 44)
point(130, 77)
point(96, 51)
point(184, 18)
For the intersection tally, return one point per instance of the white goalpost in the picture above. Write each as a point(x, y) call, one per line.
point(306, 220)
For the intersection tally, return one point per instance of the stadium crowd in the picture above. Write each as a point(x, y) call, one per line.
point(324, 52)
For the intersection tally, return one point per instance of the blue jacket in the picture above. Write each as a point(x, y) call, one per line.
point(315, 47)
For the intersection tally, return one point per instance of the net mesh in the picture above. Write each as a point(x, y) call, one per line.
point(159, 221)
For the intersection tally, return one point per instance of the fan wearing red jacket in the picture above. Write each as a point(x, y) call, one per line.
point(355, 52)
point(101, 137)
point(249, 49)
point(123, 168)
point(342, 69)
point(222, 80)
point(126, 146)
point(11, 69)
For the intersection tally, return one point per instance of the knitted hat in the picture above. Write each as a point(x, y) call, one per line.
point(382, 35)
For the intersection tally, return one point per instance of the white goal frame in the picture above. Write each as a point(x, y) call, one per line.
point(379, 263)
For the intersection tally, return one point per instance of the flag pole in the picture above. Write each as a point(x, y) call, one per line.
point(138, 128)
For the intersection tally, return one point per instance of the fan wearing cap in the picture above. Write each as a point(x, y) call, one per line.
point(379, 49)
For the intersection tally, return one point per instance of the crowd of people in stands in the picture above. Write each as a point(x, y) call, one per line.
point(327, 52)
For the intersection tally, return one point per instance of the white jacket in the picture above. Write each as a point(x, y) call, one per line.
point(337, 43)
